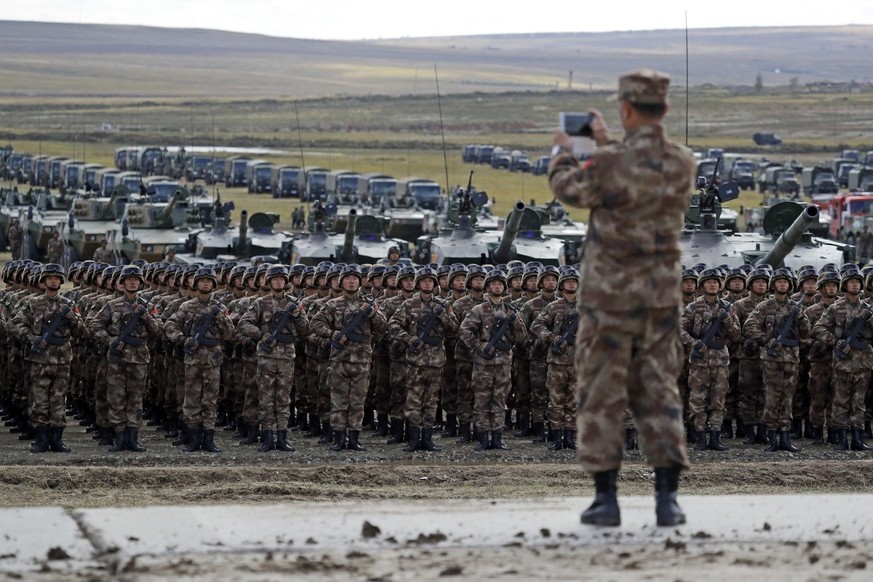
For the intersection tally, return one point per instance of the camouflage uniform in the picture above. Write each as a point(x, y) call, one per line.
point(819, 385)
point(104, 255)
point(464, 367)
point(538, 366)
point(749, 380)
point(14, 237)
point(628, 349)
point(55, 250)
point(425, 359)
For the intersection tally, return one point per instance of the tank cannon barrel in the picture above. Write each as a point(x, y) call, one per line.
point(502, 253)
point(243, 229)
point(789, 239)
point(168, 211)
point(349, 240)
point(108, 211)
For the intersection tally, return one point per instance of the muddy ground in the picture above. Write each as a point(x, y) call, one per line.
point(92, 477)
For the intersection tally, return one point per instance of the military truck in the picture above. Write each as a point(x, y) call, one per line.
point(287, 181)
point(500, 159)
point(743, 173)
point(197, 168)
point(541, 166)
point(39, 176)
point(819, 181)
point(342, 187)
point(106, 179)
point(258, 174)
point(89, 175)
point(122, 157)
point(130, 180)
point(843, 174)
point(766, 139)
point(72, 175)
point(468, 153)
point(376, 189)
point(483, 154)
point(145, 159)
point(778, 180)
point(235, 171)
point(861, 179)
point(519, 161)
point(315, 183)
point(54, 170)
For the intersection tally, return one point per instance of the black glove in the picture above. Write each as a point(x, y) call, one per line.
point(722, 315)
point(773, 345)
point(438, 310)
point(116, 345)
point(866, 314)
point(750, 345)
point(560, 344)
point(415, 345)
point(795, 311)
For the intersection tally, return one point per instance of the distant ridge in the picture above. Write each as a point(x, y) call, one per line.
point(48, 59)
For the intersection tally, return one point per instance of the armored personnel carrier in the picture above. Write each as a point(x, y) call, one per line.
point(89, 221)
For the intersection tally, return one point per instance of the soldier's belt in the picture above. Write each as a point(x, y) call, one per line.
point(715, 343)
point(53, 340)
point(790, 342)
point(133, 341)
point(430, 340)
point(206, 341)
point(285, 338)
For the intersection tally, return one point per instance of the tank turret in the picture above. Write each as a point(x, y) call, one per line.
point(347, 251)
point(791, 237)
point(503, 252)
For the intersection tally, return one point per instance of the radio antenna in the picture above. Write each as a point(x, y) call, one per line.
point(686, 78)
point(302, 159)
point(442, 129)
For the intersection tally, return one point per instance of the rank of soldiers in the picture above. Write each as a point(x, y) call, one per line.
point(472, 351)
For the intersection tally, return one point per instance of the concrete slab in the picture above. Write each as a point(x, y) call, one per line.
point(314, 527)
point(42, 538)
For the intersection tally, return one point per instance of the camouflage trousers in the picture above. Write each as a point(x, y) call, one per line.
point(850, 390)
point(629, 359)
point(732, 398)
point(250, 411)
point(311, 392)
point(562, 396)
point(397, 380)
point(491, 385)
point(751, 405)
point(800, 402)
point(539, 390)
point(101, 394)
point(682, 382)
point(124, 392)
point(780, 382)
point(324, 391)
point(382, 389)
point(300, 394)
point(348, 390)
point(171, 399)
point(449, 398)
point(820, 392)
point(49, 384)
point(521, 373)
point(275, 379)
point(464, 381)
point(158, 379)
point(707, 386)
point(202, 378)
point(422, 395)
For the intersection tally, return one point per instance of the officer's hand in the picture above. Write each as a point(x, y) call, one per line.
point(116, 344)
point(511, 317)
point(366, 308)
point(416, 344)
point(750, 345)
point(866, 314)
point(599, 131)
point(773, 345)
point(189, 345)
point(560, 138)
point(722, 315)
point(700, 347)
point(795, 311)
point(340, 338)
point(41, 343)
point(438, 310)
point(844, 346)
point(560, 343)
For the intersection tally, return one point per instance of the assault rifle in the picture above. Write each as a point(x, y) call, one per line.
point(853, 339)
point(568, 335)
point(200, 338)
point(785, 331)
point(348, 330)
point(423, 336)
point(709, 337)
point(124, 336)
point(269, 343)
point(496, 341)
point(48, 331)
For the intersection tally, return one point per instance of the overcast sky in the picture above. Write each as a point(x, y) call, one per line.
point(373, 19)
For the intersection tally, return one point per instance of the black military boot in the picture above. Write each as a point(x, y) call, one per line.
point(762, 436)
point(690, 434)
point(251, 435)
point(41, 444)
point(817, 435)
point(105, 437)
point(538, 432)
point(303, 424)
point(482, 441)
point(221, 418)
point(208, 443)
point(184, 437)
point(507, 420)
point(772, 441)
point(630, 439)
point(120, 441)
point(174, 429)
point(450, 428)
point(368, 419)
point(339, 441)
point(841, 444)
point(354, 443)
point(396, 437)
point(700, 440)
point(325, 434)
point(414, 442)
point(242, 431)
point(868, 430)
point(523, 426)
point(796, 428)
point(785, 443)
point(667, 510)
point(427, 441)
point(833, 436)
point(750, 434)
point(740, 433)
point(195, 440)
point(858, 443)
point(497, 441)
point(282, 442)
point(569, 438)
point(604, 510)
point(133, 441)
point(314, 426)
point(267, 442)
point(382, 425)
point(557, 440)
point(464, 435)
point(715, 441)
point(808, 432)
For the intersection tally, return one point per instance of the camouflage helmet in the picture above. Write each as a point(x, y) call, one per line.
point(109, 274)
point(826, 277)
point(426, 273)
point(52, 269)
point(443, 271)
point(568, 274)
point(376, 272)
point(735, 273)
point(710, 275)
point(141, 263)
point(205, 273)
point(530, 271)
point(351, 270)
point(782, 273)
point(390, 271)
point(309, 273)
point(336, 270)
point(406, 273)
point(806, 272)
point(515, 263)
point(545, 272)
point(766, 267)
point(238, 271)
point(131, 271)
point(689, 274)
point(699, 267)
point(74, 269)
point(296, 269)
point(365, 271)
point(846, 266)
point(746, 268)
point(495, 275)
point(829, 267)
point(457, 270)
point(474, 271)
point(393, 249)
point(514, 272)
point(249, 274)
point(277, 271)
point(323, 266)
point(757, 273)
point(852, 272)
